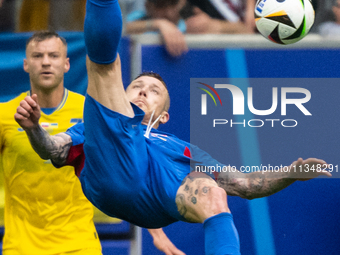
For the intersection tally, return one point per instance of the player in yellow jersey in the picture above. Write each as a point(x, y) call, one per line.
point(45, 209)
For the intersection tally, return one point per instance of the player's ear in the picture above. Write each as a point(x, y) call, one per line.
point(67, 65)
point(165, 117)
point(26, 69)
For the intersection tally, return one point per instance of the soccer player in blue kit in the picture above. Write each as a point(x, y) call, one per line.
point(131, 170)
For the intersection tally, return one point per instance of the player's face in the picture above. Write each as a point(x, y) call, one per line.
point(150, 95)
point(46, 63)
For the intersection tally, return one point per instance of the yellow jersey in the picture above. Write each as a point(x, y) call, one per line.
point(46, 211)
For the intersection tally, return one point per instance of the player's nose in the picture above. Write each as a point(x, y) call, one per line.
point(142, 92)
point(46, 60)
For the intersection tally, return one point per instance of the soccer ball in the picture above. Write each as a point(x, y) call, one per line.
point(284, 21)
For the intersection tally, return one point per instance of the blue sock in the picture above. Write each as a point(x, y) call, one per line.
point(221, 237)
point(102, 30)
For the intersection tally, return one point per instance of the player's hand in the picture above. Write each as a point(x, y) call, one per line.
point(28, 113)
point(162, 242)
point(303, 170)
point(174, 40)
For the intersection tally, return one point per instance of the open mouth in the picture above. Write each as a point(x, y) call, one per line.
point(46, 73)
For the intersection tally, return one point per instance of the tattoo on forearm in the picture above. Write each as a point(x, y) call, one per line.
point(252, 185)
point(55, 148)
point(256, 184)
point(62, 145)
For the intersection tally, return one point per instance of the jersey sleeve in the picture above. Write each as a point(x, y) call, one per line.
point(77, 133)
point(76, 155)
point(204, 162)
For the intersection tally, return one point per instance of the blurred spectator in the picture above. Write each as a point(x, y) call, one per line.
point(221, 16)
point(332, 28)
point(163, 16)
point(67, 15)
point(323, 13)
point(59, 15)
point(7, 15)
point(33, 15)
point(128, 6)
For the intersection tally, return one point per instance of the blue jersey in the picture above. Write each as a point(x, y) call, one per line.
point(127, 175)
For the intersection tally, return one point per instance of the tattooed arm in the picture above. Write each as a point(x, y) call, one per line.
point(252, 185)
point(55, 147)
point(265, 183)
point(261, 183)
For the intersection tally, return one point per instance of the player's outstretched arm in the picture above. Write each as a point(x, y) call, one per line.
point(46, 146)
point(102, 32)
point(267, 182)
point(163, 243)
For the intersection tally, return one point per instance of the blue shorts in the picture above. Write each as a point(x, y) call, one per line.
point(127, 175)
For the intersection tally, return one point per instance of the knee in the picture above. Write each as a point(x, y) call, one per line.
point(200, 199)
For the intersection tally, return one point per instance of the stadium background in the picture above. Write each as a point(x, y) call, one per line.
point(302, 219)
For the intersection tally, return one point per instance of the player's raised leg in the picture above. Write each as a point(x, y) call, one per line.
point(112, 125)
point(102, 31)
point(199, 199)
